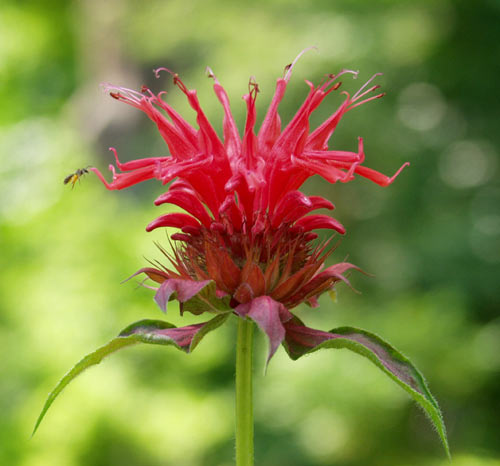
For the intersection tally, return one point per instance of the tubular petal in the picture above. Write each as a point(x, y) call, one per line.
point(377, 177)
point(292, 201)
point(231, 136)
point(188, 201)
point(125, 180)
point(314, 222)
point(173, 220)
point(247, 177)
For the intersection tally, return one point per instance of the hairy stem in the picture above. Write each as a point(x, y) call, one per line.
point(244, 404)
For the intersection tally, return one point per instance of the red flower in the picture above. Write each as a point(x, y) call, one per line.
point(246, 242)
point(247, 229)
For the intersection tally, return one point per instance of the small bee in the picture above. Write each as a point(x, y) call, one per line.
point(74, 177)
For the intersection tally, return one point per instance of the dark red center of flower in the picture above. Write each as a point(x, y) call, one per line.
point(277, 262)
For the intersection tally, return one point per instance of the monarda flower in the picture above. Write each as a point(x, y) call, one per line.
point(248, 230)
point(247, 244)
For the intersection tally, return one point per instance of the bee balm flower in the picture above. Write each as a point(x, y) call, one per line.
point(246, 242)
point(248, 229)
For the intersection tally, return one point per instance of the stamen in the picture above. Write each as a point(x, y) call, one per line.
point(344, 71)
point(288, 68)
point(253, 87)
point(373, 88)
point(146, 90)
point(333, 77)
point(210, 74)
point(334, 87)
point(124, 93)
point(177, 80)
point(365, 101)
point(156, 71)
point(355, 96)
point(330, 78)
point(180, 84)
point(143, 284)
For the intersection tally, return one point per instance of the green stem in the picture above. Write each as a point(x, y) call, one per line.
point(244, 405)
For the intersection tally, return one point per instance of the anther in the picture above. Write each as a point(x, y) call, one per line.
point(209, 72)
point(253, 86)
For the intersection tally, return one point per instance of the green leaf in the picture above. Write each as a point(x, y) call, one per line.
point(212, 324)
point(303, 340)
point(148, 331)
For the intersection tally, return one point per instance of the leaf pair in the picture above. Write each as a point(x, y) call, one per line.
point(279, 325)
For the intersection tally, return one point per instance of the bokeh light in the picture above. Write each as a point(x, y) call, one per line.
point(431, 240)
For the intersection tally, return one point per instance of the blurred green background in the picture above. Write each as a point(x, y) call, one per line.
point(432, 239)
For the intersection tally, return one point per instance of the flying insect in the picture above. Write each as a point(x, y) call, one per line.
point(74, 177)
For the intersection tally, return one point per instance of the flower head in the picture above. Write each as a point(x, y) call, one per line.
point(246, 244)
point(248, 229)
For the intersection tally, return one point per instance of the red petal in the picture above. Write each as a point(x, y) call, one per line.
point(231, 135)
point(249, 149)
point(187, 131)
point(271, 126)
point(376, 176)
point(318, 139)
point(314, 222)
point(188, 201)
point(210, 138)
point(293, 201)
point(125, 180)
point(329, 172)
point(173, 220)
point(179, 146)
point(321, 203)
point(230, 209)
point(295, 205)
